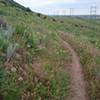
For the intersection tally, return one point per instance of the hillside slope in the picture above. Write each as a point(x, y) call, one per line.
point(33, 63)
point(31, 59)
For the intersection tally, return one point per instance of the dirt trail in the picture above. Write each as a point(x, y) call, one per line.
point(78, 89)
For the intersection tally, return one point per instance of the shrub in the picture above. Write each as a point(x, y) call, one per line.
point(28, 9)
point(33, 42)
point(4, 2)
point(3, 41)
point(5, 45)
point(3, 24)
point(3, 13)
point(38, 14)
point(44, 17)
point(20, 30)
point(6, 34)
point(11, 51)
point(54, 20)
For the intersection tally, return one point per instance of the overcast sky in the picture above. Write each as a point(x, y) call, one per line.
point(61, 6)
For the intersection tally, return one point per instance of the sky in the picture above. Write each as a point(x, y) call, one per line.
point(61, 7)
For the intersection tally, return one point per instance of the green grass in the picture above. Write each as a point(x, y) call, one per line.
point(30, 38)
point(36, 39)
point(90, 64)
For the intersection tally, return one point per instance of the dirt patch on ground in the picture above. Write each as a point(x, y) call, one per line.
point(78, 85)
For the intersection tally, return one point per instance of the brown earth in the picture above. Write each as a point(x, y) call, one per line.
point(78, 84)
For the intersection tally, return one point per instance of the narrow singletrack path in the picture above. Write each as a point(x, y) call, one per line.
point(78, 87)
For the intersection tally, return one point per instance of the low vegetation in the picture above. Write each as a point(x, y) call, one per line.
point(25, 48)
point(32, 61)
point(90, 62)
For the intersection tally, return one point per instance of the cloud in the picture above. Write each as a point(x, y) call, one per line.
point(44, 6)
point(41, 3)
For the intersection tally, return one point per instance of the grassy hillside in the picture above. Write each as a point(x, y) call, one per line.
point(84, 36)
point(32, 60)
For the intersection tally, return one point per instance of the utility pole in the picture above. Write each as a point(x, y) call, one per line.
point(93, 11)
point(71, 11)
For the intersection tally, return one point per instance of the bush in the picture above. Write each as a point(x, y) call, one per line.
point(3, 24)
point(3, 13)
point(3, 41)
point(5, 45)
point(5, 35)
point(4, 2)
point(28, 10)
point(11, 51)
point(38, 14)
point(33, 42)
point(20, 30)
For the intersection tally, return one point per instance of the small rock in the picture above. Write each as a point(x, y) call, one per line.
point(13, 69)
point(20, 79)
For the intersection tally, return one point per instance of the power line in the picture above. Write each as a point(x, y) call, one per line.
point(71, 11)
point(93, 11)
